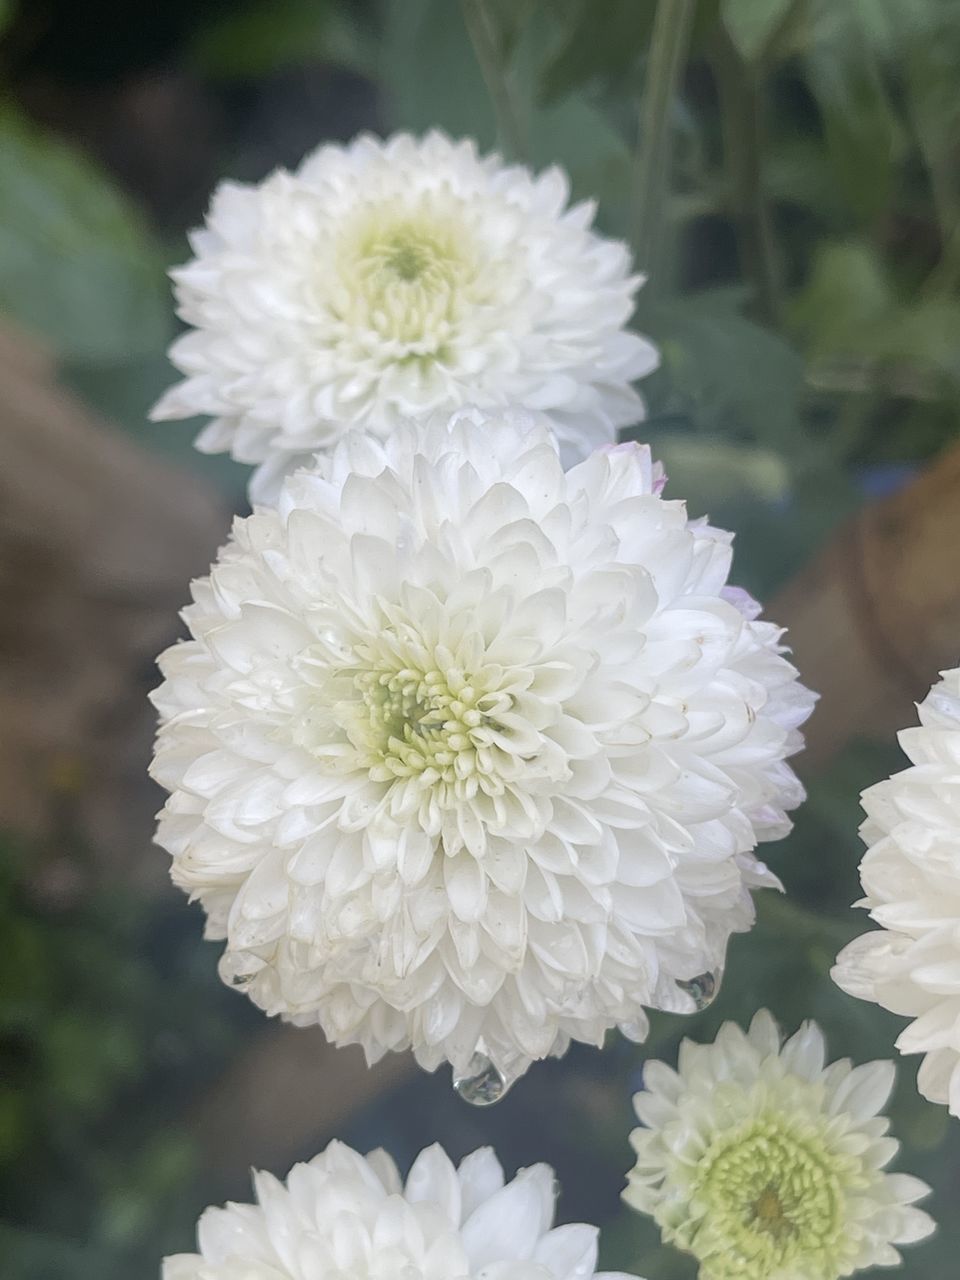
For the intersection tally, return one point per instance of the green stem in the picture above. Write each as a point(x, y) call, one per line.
point(943, 279)
point(483, 37)
point(665, 61)
point(740, 115)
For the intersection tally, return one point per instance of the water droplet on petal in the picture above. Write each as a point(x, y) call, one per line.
point(703, 989)
point(482, 1084)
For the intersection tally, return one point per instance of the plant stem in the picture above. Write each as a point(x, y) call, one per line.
point(483, 37)
point(668, 49)
point(740, 112)
point(945, 276)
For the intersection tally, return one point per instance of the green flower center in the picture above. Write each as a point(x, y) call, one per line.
point(408, 254)
point(406, 279)
point(772, 1198)
point(433, 724)
point(408, 258)
point(428, 723)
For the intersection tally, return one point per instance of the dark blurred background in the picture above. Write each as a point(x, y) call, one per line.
point(801, 230)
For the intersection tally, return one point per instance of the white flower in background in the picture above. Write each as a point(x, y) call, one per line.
point(766, 1164)
point(911, 878)
point(343, 1216)
point(387, 279)
point(471, 754)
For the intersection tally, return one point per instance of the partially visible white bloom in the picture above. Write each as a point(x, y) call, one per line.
point(343, 1216)
point(472, 754)
point(911, 878)
point(766, 1164)
point(387, 279)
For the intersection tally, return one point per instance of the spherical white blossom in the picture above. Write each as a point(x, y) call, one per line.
point(343, 1216)
point(388, 279)
point(766, 1164)
point(911, 878)
point(471, 754)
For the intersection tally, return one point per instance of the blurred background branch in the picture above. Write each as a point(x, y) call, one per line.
point(506, 105)
point(664, 68)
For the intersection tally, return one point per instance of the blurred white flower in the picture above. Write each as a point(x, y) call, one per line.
point(766, 1164)
point(343, 1216)
point(386, 279)
point(472, 754)
point(911, 878)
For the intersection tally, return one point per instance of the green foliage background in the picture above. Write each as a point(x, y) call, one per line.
point(796, 206)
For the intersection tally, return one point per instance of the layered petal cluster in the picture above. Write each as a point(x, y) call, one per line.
point(767, 1164)
point(387, 279)
point(472, 754)
point(343, 1216)
point(911, 880)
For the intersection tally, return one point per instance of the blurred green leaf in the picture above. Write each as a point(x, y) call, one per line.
point(751, 23)
point(930, 60)
point(572, 133)
point(32, 1256)
point(847, 291)
point(14, 1125)
point(76, 264)
point(581, 139)
point(257, 37)
point(430, 73)
point(864, 138)
point(864, 338)
point(731, 376)
point(923, 338)
point(710, 472)
point(604, 38)
point(798, 171)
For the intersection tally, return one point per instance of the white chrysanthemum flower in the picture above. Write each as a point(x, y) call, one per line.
point(343, 1216)
point(472, 754)
point(766, 1164)
point(388, 279)
point(911, 877)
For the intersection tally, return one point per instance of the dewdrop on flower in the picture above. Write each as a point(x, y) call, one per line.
point(911, 880)
point(383, 280)
point(472, 755)
point(343, 1216)
point(766, 1164)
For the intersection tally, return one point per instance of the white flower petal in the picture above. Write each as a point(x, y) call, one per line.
point(381, 281)
point(433, 1178)
point(508, 1225)
point(569, 1252)
point(346, 1217)
point(470, 754)
point(911, 879)
point(481, 1175)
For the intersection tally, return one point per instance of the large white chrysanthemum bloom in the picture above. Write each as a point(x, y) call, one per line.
point(388, 279)
point(472, 754)
point(911, 878)
point(343, 1216)
point(766, 1164)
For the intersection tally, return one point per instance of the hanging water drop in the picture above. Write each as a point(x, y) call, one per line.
point(702, 989)
point(482, 1084)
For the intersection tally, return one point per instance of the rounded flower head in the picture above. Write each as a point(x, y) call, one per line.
point(470, 753)
point(767, 1165)
point(911, 878)
point(343, 1216)
point(387, 279)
